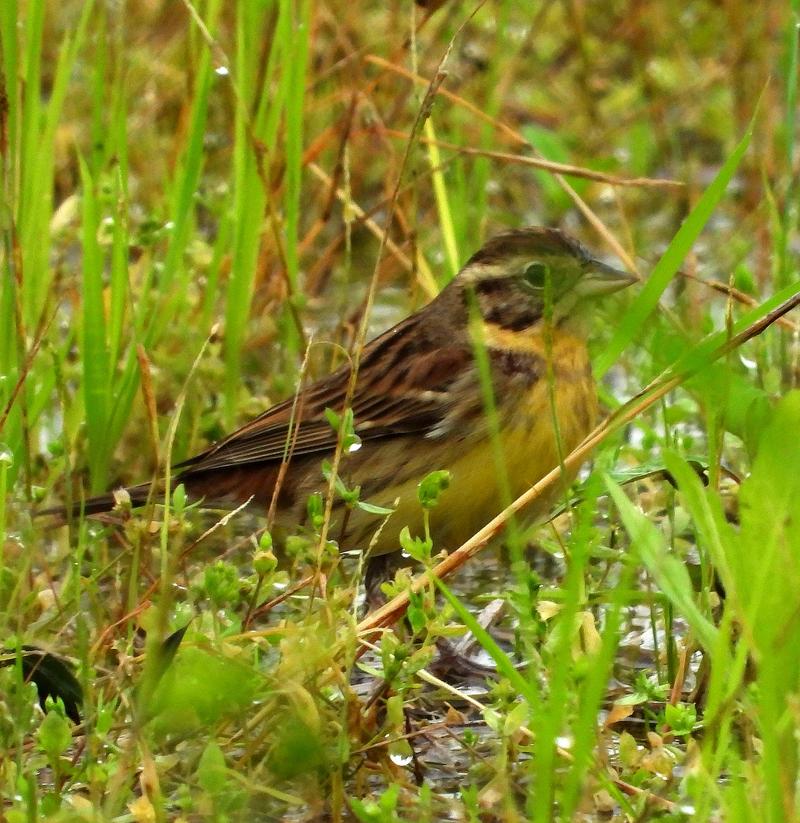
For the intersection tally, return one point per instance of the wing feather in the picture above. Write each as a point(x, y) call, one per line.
point(402, 388)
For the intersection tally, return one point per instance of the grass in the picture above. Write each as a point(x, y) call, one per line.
point(193, 192)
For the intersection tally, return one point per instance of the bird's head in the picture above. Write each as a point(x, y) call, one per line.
point(521, 276)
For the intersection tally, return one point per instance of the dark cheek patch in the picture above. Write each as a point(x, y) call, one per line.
point(503, 303)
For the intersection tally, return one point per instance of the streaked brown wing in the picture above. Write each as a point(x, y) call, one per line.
point(402, 388)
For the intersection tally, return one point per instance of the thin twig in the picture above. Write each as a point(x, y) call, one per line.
point(545, 165)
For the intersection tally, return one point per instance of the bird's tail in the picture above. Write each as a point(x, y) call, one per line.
point(97, 505)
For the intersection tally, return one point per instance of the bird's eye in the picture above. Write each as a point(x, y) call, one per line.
point(535, 275)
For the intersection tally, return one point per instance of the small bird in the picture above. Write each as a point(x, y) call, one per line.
point(419, 406)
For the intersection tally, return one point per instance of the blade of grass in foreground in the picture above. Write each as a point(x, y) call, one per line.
point(442, 200)
point(717, 343)
point(248, 191)
point(504, 665)
point(93, 336)
point(295, 80)
point(33, 108)
point(634, 319)
point(668, 571)
point(554, 714)
point(592, 689)
point(175, 276)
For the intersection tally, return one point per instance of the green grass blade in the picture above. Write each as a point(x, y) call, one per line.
point(442, 202)
point(702, 353)
point(706, 512)
point(669, 573)
point(248, 206)
point(295, 82)
point(186, 184)
point(504, 664)
point(93, 336)
point(636, 316)
point(592, 690)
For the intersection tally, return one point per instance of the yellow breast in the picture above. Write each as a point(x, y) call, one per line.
point(537, 427)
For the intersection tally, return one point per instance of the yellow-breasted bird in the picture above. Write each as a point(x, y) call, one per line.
point(419, 406)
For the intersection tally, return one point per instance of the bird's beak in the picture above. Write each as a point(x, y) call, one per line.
point(601, 278)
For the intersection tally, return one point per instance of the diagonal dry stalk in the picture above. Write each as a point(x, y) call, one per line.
point(542, 164)
point(392, 611)
point(739, 296)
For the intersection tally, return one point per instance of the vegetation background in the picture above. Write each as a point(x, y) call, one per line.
point(191, 192)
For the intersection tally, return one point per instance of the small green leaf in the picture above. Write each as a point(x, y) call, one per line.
point(333, 419)
point(315, 507)
point(179, 498)
point(681, 718)
point(54, 735)
point(516, 718)
point(381, 811)
point(431, 488)
point(417, 548)
point(371, 508)
point(628, 750)
point(349, 496)
point(494, 720)
point(264, 563)
point(212, 773)
point(415, 614)
point(221, 583)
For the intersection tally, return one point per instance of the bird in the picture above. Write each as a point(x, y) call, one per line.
point(521, 303)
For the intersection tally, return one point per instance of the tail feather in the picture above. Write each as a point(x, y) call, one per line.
point(97, 505)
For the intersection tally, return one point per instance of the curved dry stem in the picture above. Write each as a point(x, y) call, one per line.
point(390, 612)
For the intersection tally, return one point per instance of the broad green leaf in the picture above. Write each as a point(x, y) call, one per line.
point(770, 541)
point(199, 689)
